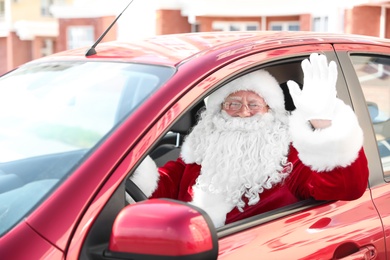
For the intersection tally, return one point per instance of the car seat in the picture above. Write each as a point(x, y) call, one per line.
point(169, 147)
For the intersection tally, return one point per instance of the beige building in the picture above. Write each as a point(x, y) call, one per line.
point(30, 29)
point(27, 31)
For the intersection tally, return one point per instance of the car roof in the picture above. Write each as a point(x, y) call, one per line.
point(174, 49)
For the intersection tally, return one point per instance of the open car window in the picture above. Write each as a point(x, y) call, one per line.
point(168, 148)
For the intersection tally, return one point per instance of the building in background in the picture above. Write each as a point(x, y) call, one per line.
point(27, 31)
point(30, 29)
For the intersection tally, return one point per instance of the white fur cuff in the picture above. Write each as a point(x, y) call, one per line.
point(325, 149)
point(146, 176)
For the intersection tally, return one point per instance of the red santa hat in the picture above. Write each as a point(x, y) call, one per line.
point(261, 82)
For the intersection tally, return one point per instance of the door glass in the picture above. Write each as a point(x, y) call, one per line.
point(374, 76)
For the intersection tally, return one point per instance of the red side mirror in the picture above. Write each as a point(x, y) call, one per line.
point(163, 228)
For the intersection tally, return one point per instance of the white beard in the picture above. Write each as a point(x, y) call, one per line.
point(239, 156)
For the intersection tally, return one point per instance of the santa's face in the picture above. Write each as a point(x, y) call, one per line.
point(242, 149)
point(244, 104)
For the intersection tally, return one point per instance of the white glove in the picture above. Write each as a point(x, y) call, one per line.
point(317, 99)
point(215, 205)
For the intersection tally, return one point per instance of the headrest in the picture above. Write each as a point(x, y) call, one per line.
point(189, 119)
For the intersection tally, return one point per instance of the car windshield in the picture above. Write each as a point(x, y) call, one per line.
point(52, 114)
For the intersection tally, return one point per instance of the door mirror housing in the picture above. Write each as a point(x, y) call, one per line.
point(163, 229)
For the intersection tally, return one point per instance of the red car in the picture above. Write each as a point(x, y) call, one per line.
point(73, 128)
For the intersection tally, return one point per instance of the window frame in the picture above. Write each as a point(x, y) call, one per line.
point(344, 51)
point(386, 174)
point(320, 23)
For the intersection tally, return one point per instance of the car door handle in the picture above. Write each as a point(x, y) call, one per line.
point(364, 253)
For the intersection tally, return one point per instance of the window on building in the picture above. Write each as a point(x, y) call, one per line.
point(293, 27)
point(284, 26)
point(374, 76)
point(235, 26)
point(47, 47)
point(276, 27)
point(2, 8)
point(45, 7)
point(320, 24)
point(80, 36)
point(195, 27)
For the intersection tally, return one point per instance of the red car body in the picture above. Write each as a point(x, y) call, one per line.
point(60, 226)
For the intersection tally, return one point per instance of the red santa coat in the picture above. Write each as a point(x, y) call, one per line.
point(341, 183)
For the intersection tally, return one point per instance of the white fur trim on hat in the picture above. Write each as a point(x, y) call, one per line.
point(326, 149)
point(261, 82)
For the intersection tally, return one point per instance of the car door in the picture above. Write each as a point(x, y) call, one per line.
point(332, 230)
point(305, 230)
point(367, 70)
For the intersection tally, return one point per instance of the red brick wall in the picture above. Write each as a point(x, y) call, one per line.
point(100, 24)
point(364, 20)
point(387, 30)
point(18, 52)
point(103, 24)
point(3, 55)
point(13, 52)
point(36, 47)
point(171, 21)
point(305, 22)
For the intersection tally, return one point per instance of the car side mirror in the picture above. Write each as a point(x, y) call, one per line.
point(162, 228)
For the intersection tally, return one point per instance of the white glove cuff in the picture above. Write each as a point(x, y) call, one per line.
point(325, 149)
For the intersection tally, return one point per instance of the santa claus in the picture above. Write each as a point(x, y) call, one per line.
point(248, 155)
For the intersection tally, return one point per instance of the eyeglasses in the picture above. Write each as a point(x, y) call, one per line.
point(235, 106)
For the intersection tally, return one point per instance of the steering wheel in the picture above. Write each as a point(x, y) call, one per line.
point(134, 191)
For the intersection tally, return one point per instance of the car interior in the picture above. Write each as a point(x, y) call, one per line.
point(169, 146)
